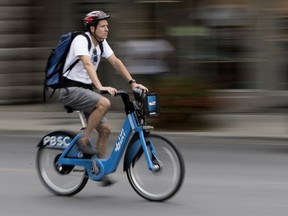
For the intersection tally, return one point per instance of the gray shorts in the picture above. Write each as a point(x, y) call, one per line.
point(80, 99)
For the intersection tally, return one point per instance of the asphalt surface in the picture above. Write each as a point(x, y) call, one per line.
point(237, 168)
point(224, 177)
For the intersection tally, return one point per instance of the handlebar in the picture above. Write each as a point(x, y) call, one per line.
point(138, 95)
point(137, 92)
point(146, 104)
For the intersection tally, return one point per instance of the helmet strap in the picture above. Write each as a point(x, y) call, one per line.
point(94, 36)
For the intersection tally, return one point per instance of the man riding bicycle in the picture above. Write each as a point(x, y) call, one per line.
point(77, 91)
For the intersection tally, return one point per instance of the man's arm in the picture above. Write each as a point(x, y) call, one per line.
point(93, 75)
point(120, 67)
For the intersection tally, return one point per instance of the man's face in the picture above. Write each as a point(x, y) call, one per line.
point(101, 30)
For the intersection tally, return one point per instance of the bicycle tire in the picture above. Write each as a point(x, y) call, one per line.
point(62, 181)
point(157, 185)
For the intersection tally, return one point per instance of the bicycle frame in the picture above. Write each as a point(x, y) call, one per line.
point(64, 170)
point(70, 156)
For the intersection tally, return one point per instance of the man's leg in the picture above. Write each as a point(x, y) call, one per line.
point(104, 131)
point(92, 104)
point(94, 119)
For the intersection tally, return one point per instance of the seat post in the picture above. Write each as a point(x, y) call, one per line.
point(82, 119)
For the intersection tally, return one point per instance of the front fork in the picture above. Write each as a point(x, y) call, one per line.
point(152, 162)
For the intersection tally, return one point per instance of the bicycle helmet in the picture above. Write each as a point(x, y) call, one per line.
point(93, 17)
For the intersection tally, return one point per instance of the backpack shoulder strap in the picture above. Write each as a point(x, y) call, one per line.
point(88, 39)
point(101, 47)
point(76, 61)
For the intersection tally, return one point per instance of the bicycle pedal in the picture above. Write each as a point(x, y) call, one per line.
point(95, 169)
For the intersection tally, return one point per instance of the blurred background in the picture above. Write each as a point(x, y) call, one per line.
point(201, 56)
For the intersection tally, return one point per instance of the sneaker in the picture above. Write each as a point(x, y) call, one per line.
point(106, 181)
point(85, 148)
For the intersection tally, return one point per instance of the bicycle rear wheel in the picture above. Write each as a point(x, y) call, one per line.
point(61, 180)
point(162, 184)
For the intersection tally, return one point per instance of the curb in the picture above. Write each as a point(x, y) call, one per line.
point(167, 134)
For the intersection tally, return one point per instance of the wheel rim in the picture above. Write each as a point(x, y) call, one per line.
point(160, 184)
point(64, 181)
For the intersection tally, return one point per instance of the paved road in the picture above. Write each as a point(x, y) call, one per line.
point(224, 177)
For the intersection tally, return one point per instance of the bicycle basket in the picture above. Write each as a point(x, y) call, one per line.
point(151, 104)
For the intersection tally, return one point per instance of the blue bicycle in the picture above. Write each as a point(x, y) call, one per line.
point(153, 164)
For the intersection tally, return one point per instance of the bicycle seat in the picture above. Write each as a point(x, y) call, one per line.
point(69, 109)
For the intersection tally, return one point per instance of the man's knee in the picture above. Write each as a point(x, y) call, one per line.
point(103, 104)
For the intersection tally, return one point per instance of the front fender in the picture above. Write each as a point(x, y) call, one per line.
point(57, 139)
point(134, 149)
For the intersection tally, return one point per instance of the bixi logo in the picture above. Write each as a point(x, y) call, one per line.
point(152, 103)
point(120, 140)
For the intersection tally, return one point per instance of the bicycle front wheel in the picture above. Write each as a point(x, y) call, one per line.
point(61, 180)
point(163, 183)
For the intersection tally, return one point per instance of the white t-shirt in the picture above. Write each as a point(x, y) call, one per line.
point(79, 46)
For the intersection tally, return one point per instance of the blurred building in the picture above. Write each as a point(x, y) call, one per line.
point(237, 46)
point(17, 73)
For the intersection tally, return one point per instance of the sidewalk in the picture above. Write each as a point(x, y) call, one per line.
point(42, 118)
